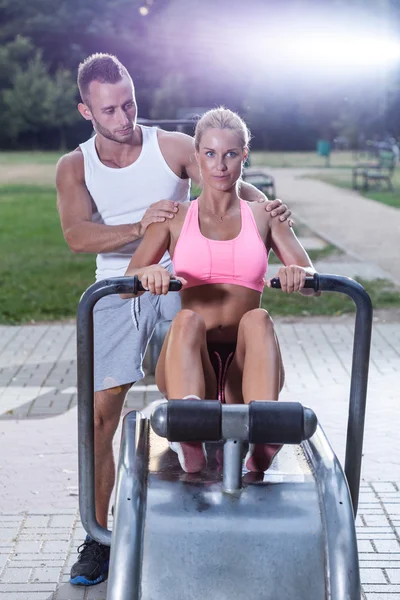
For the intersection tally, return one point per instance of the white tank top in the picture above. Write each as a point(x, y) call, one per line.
point(122, 196)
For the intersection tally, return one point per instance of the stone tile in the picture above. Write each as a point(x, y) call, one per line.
point(27, 547)
point(394, 575)
point(375, 576)
point(391, 546)
point(45, 575)
point(70, 592)
point(16, 575)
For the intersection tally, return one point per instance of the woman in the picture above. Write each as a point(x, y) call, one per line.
point(221, 344)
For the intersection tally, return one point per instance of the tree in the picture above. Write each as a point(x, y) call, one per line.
point(27, 102)
point(62, 99)
point(170, 96)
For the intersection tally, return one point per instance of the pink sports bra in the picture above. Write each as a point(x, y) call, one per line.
point(201, 261)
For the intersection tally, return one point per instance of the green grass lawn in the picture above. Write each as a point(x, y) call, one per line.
point(40, 277)
point(42, 280)
point(339, 159)
point(343, 179)
point(32, 158)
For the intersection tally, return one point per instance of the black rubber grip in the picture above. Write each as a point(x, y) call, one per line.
point(276, 422)
point(311, 282)
point(174, 285)
point(194, 420)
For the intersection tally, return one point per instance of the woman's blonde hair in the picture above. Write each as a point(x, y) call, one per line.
point(222, 118)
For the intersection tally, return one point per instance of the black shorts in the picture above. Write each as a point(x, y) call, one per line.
point(221, 356)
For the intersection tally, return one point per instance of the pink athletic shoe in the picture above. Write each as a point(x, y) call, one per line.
point(191, 455)
point(260, 456)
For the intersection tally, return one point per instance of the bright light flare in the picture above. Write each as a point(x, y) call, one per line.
point(319, 48)
point(344, 51)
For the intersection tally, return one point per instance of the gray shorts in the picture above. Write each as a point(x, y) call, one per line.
point(122, 331)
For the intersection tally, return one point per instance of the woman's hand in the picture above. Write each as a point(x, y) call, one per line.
point(292, 278)
point(156, 279)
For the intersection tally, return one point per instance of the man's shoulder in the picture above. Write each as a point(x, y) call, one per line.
point(71, 164)
point(175, 139)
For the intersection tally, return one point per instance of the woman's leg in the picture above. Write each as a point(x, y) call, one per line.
point(258, 367)
point(184, 370)
point(184, 367)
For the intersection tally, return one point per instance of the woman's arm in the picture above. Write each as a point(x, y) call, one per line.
point(291, 253)
point(144, 262)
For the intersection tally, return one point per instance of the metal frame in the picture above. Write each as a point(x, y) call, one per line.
point(167, 122)
point(116, 285)
point(359, 370)
point(358, 388)
point(342, 565)
point(130, 501)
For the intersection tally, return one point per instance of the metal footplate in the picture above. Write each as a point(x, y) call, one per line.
point(210, 421)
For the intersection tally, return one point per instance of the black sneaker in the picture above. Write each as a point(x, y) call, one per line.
point(92, 564)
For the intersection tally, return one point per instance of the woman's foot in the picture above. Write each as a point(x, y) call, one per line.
point(191, 455)
point(260, 456)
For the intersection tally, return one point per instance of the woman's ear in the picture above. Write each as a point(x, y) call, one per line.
point(245, 154)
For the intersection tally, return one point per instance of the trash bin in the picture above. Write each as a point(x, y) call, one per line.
point(324, 149)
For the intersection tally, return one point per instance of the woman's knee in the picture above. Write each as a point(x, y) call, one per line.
point(256, 321)
point(188, 325)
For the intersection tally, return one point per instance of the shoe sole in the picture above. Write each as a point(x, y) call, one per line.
point(79, 580)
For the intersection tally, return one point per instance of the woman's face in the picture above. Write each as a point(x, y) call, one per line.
point(220, 158)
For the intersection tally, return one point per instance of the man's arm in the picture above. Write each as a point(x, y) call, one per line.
point(75, 209)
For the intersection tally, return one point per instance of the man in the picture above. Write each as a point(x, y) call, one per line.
point(109, 191)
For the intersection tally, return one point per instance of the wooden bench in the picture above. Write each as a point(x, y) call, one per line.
point(376, 173)
point(262, 180)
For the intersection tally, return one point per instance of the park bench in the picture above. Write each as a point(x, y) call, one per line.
point(376, 173)
point(262, 180)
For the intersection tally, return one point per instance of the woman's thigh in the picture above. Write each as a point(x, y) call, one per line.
point(234, 378)
point(205, 364)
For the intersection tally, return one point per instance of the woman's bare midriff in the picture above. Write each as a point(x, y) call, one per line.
point(222, 306)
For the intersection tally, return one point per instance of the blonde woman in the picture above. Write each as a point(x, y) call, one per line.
point(221, 344)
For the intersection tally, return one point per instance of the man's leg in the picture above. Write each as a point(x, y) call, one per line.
point(92, 564)
point(107, 412)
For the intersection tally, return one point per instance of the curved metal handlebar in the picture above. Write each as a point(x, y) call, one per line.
point(359, 370)
point(114, 285)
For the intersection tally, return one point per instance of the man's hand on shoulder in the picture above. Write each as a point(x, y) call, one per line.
point(158, 212)
point(277, 209)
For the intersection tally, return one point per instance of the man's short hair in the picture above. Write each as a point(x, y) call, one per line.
point(104, 68)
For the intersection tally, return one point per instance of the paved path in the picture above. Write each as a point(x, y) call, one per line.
point(365, 229)
point(40, 527)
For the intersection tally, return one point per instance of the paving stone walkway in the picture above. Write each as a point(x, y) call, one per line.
point(40, 528)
